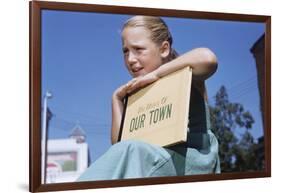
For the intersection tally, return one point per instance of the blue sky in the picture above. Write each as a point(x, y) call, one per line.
point(82, 65)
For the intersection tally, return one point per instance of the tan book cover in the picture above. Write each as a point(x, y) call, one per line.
point(158, 113)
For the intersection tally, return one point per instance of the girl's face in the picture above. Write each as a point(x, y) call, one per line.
point(141, 54)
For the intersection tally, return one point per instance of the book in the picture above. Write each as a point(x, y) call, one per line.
point(158, 113)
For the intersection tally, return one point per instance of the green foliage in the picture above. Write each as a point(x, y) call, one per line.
point(236, 153)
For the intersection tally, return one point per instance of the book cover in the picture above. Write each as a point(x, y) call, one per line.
point(158, 113)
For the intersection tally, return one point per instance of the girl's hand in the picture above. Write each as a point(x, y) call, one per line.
point(122, 91)
point(141, 82)
point(117, 109)
point(118, 96)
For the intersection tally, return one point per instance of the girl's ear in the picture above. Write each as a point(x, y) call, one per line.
point(165, 49)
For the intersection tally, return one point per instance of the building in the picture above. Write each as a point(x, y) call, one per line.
point(67, 158)
point(258, 51)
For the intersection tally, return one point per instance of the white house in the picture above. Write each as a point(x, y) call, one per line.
point(67, 158)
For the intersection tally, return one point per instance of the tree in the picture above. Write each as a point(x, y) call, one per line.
point(245, 154)
point(236, 153)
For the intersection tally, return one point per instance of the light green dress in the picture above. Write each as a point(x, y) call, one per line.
point(136, 159)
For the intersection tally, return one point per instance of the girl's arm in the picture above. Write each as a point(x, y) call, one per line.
point(117, 110)
point(202, 61)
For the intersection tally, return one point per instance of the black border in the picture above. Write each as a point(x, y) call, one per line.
point(123, 118)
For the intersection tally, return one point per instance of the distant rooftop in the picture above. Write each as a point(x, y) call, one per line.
point(77, 131)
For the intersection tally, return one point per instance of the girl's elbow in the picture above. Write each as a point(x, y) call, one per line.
point(210, 60)
point(209, 56)
point(208, 64)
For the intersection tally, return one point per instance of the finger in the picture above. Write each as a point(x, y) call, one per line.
point(130, 83)
point(130, 87)
point(133, 87)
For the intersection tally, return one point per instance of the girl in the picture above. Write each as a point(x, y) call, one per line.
point(148, 55)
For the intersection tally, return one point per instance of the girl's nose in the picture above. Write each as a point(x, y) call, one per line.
point(131, 58)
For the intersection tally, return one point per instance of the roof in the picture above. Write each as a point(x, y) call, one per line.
point(77, 131)
point(258, 42)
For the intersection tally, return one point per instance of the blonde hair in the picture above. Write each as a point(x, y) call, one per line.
point(159, 31)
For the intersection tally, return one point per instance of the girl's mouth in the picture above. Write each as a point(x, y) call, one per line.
point(137, 70)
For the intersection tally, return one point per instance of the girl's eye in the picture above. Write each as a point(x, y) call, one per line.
point(139, 49)
point(125, 51)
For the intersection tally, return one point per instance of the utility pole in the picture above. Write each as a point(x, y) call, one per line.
point(44, 138)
